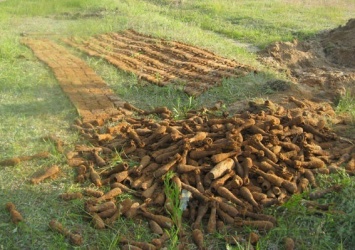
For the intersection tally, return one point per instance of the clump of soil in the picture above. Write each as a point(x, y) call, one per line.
point(323, 66)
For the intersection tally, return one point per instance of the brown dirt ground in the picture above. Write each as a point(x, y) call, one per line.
point(323, 67)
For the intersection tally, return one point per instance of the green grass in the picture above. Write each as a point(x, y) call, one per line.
point(346, 106)
point(32, 104)
point(315, 229)
point(260, 22)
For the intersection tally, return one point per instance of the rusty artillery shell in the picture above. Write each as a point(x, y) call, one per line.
point(139, 244)
point(100, 207)
point(222, 191)
point(138, 182)
point(272, 178)
point(197, 237)
point(107, 213)
point(350, 166)
point(248, 196)
point(226, 207)
point(125, 188)
point(70, 196)
point(218, 170)
point(276, 190)
point(93, 192)
point(151, 167)
point(116, 169)
point(199, 136)
point(201, 211)
point(253, 238)
point(10, 162)
point(270, 193)
point(201, 153)
point(160, 241)
point(98, 159)
point(148, 193)
point(110, 220)
point(195, 193)
point(176, 180)
point(258, 196)
point(119, 177)
point(165, 168)
point(94, 176)
point(16, 217)
point(75, 239)
point(81, 169)
point(246, 164)
point(132, 211)
point(145, 160)
point(225, 217)
point(258, 216)
point(198, 181)
point(224, 181)
point(320, 193)
point(50, 172)
point(125, 205)
point(212, 220)
point(110, 194)
point(158, 131)
point(184, 168)
point(222, 156)
point(312, 163)
point(261, 225)
point(220, 227)
point(163, 221)
point(155, 227)
point(310, 177)
point(291, 187)
point(269, 202)
point(135, 137)
point(57, 226)
point(97, 221)
point(159, 198)
point(246, 124)
point(289, 243)
point(103, 137)
point(266, 185)
point(147, 182)
point(131, 107)
point(238, 167)
point(303, 184)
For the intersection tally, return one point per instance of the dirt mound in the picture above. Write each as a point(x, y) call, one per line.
point(161, 61)
point(324, 66)
point(339, 46)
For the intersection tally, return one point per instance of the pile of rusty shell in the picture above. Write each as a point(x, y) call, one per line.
point(231, 166)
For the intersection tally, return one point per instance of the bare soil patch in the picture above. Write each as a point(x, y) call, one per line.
point(323, 66)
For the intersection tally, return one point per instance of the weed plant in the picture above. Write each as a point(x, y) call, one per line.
point(172, 194)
